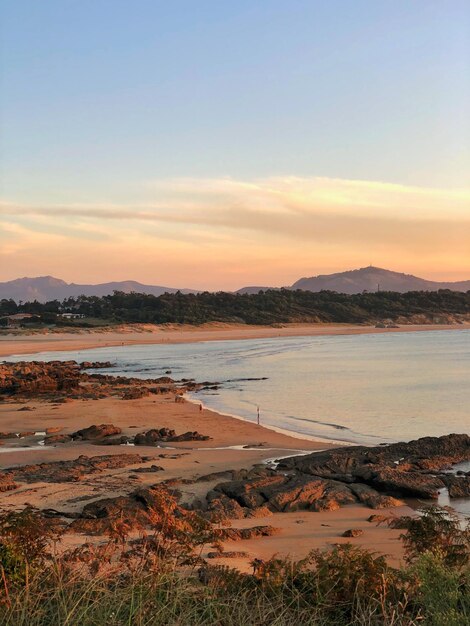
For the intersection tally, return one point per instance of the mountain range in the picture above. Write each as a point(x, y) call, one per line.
point(44, 288)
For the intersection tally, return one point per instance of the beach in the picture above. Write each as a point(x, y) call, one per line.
point(21, 342)
point(234, 444)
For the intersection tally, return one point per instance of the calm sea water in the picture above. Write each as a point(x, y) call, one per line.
point(360, 388)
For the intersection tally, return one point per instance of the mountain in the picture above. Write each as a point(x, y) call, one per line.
point(44, 288)
point(373, 279)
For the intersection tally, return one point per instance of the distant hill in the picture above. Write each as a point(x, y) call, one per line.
point(254, 289)
point(372, 279)
point(45, 288)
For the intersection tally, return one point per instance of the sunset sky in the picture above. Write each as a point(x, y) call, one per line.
point(216, 144)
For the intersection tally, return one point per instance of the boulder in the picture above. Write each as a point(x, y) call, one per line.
point(457, 486)
point(97, 431)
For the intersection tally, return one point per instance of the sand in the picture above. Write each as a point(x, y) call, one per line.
point(22, 343)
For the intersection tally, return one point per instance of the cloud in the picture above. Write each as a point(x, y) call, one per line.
point(277, 221)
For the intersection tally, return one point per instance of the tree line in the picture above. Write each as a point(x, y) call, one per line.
point(266, 307)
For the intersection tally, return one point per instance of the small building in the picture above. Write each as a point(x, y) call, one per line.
point(72, 316)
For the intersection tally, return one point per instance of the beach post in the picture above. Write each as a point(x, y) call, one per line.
point(257, 408)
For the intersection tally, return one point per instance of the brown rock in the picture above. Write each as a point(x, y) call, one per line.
point(7, 483)
point(135, 393)
point(51, 440)
point(67, 471)
point(458, 486)
point(97, 431)
point(353, 532)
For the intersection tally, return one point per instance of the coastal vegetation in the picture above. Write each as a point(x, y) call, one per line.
point(266, 307)
point(159, 579)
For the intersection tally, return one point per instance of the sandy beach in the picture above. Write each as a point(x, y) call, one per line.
point(20, 342)
point(298, 533)
point(235, 444)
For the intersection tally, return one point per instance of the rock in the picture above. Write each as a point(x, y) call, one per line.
point(51, 440)
point(8, 435)
point(38, 378)
point(7, 483)
point(97, 431)
point(180, 399)
point(155, 505)
point(27, 408)
point(353, 532)
point(228, 555)
point(67, 471)
point(401, 469)
point(435, 452)
point(236, 534)
point(113, 441)
point(95, 365)
point(149, 470)
point(373, 498)
point(377, 519)
point(457, 486)
point(155, 436)
point(134, 393)
point(288, 493)
point(222, 508)
point(395, 481)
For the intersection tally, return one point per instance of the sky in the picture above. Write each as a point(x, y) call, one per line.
point(217, 144)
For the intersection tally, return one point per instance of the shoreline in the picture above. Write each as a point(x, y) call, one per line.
point(281, 431)
point(37, 343)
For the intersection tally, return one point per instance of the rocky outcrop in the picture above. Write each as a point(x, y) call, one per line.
point(430, 453)
point(401, 469)
point(330, 479)
point(264, 492)
point(57, 380)
point(155, 436)
point(151, 505)
point(36, 378)
point(74, 470)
